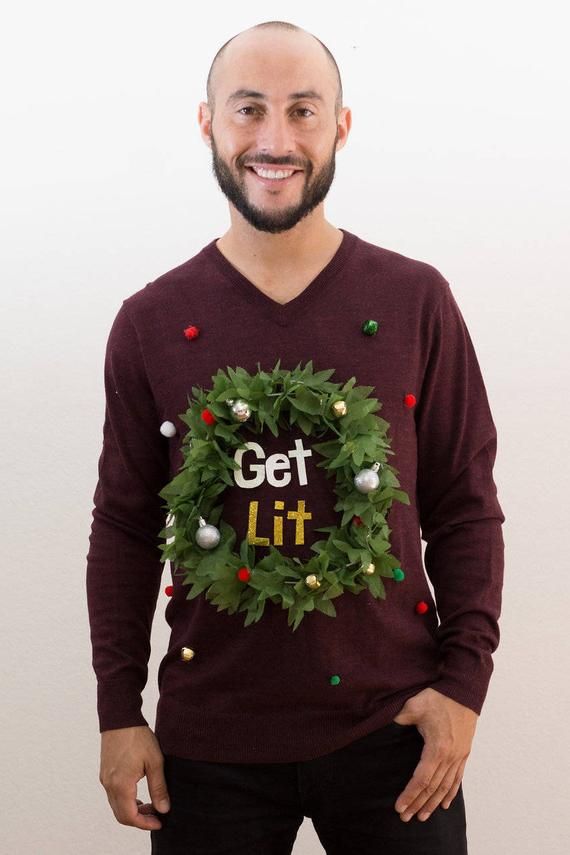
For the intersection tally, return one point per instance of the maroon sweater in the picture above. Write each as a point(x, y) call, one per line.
point(264, 693)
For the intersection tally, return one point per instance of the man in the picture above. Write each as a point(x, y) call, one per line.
point(250, 735)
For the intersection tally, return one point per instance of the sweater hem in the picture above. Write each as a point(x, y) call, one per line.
point(191, 734)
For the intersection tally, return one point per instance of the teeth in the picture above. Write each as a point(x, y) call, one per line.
point(270, 173)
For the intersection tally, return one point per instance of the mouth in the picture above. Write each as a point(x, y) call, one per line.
point(274, 177)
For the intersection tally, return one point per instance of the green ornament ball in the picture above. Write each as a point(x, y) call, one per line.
point(370, 327)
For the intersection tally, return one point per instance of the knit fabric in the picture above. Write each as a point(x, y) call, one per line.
point(264, 693)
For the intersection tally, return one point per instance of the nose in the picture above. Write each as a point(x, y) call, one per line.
point(275, 135)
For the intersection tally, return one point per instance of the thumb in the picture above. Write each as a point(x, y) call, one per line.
point(405, 717)
point(157, 789)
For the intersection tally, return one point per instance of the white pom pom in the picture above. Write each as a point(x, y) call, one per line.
point(168, 429)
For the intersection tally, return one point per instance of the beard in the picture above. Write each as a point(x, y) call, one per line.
point(273, 221)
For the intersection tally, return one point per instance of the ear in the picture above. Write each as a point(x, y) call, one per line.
point(205, 122)
point(344, 123)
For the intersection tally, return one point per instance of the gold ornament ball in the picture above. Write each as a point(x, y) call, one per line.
point(186, 654)
point(339, 408)
point(370, 569)
point(312, 582)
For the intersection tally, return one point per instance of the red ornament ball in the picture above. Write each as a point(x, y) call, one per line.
point(192, 332)
point(421, 607)
point(357, 520)
point(244, 574)
point(208, 417)
point(409, 400)
point(169, 590)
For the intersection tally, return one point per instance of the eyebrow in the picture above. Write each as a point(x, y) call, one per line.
point(251, 93)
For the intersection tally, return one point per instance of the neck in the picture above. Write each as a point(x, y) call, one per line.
point(292, 249)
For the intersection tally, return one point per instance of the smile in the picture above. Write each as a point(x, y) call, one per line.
point(273, 176)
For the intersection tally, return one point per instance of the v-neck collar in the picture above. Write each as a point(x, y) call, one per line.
point(283, 313)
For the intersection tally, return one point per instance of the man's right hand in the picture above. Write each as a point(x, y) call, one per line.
point(127, 755)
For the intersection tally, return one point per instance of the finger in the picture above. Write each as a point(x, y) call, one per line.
point(451, 795)
point(455, 787)
point(126, 809)
point(430, 760)
point(156, 781)
point(425, 806)
point(428, 791)
point(442, 791)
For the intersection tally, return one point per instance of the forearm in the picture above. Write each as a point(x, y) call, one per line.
point(466, 566)
point(123, 562)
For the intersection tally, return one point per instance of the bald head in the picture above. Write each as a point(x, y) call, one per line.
point(261, 37)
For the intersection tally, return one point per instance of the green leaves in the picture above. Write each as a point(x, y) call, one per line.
point(326, 607)
point(377, 587)
point(278, 399)
point(307, 401)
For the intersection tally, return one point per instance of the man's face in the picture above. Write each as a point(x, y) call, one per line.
point(257, 122)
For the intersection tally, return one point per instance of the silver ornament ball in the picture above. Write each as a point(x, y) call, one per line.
point(366, 480)
point(207, 536)
point(240, 410)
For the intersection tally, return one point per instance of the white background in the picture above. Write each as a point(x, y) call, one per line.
point(458, 156)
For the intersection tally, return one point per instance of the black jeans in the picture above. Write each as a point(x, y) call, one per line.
point(349, 794)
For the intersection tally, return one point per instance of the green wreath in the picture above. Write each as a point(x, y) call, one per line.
point(357, 552)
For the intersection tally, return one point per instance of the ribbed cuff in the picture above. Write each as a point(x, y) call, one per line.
point(119, 704)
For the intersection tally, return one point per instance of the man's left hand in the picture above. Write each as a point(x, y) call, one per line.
point(447, 728)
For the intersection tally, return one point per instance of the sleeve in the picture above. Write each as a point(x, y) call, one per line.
point(460, 515)
point(123, 560)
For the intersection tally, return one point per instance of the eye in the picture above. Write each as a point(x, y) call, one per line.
point(300, 110)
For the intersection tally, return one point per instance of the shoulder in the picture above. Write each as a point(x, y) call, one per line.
point(173, 286)
point(405, 277)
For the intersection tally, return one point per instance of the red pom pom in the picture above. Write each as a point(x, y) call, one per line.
point(409, 400)
point(422, 607)
point(357, 520)
point(169, 590)
point(244, 574)
point(208, 417)
point(192, 332)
